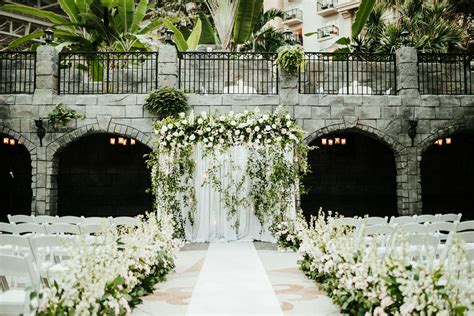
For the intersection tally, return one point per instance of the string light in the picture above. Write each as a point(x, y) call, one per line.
point(335, 141)
point(446, 141)
point(122, 141)
point(11, 141)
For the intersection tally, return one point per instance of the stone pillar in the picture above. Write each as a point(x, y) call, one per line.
point(47, 65)
point(288, 91)
point(168, 66)
point(407, 88)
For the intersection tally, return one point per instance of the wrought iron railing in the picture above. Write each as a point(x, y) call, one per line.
point(228, 72)
point(445, 73)
point(17, 72)
point(294, 14)
point(348, 73)
point(108, 72)
point(325, 4)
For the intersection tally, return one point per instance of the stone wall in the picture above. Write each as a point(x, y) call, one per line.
point(384, 118)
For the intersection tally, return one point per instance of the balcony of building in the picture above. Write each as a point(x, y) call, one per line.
point(293, 17)
point(327, 7)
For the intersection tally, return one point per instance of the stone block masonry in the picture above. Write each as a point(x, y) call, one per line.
point(383, 117)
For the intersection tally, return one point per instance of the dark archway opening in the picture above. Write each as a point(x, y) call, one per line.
point(355, 178)
point(15, 178)
point(97, 178)
point(447, 173)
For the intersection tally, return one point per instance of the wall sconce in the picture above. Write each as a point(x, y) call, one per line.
point(40, 130)
point(169, 36)
point(48, 36)
point(412, 131)
point(405, 37)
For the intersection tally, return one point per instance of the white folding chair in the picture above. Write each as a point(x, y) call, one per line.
point(96, 221)
point(465, 226)
point(16, 300)
point(449, 217)
point(412, 228)
point(29, 228)
point(71, 220)
point(422, 246)
point(63, 229)
point(46, 219)
point(15, 245)
point(470, 255)
point(401, 220)
point(468, 237)
point(347, 221)
point(91, 229)
point(441, 229)
point(7, 228)
point(375, 220)
point(16, 219)
point(49, 250)
point(125, 220)
point(425, 218)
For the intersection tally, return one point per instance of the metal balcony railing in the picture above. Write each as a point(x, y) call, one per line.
point(17, 72)
point(326, 4)
point(294, 14)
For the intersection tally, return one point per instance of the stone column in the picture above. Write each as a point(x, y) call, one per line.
point(168, 66)
point(407, 88)
point(288, 91)
point(47, 65)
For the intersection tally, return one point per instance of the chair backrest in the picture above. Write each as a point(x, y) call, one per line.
point(7, 228)
point(61, 229)
point(441, 227)
point(470, 254)
point(71, 220)
point(20, 245)
point(412, 228)
point(425, 218)
point(19, 266)
point(96, 221)
point(91, 229)
point(347, 221)
point(46, 219)
point(375, 220)
point(49, 248)
point(401, 220)
point(449, 217)
point(465, 226)
point(426, 240)
point(378, 229)
point(15, 219)
point(468, 237)
point(125, 220)
point(29, 228)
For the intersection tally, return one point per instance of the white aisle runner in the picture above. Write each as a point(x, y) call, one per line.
point(233, 282)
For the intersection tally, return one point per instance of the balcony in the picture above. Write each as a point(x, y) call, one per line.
point(293, 17)
point(347, 7)
point(327, 32)
point(327, 7)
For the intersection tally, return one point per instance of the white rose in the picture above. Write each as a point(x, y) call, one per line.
point(221, 140)
point(222, 118)
point(265, 117)
point(287, 116)
point(284, 131)
point(248, 130)
point(182, 114)
point(268, 127)
point(259, 136)
point(211, 138)
point(233, 123)
point(170, 126)
point(200, 121)
point(175, 134)
point(237, 132)
point(260, 121)
point(203, 114)
point(208, 129)
point(257, 128)
point(386, 301)
point(184, 122)
point(200, 132)
point(192, 137)
point(205, 140)
point(288, 123)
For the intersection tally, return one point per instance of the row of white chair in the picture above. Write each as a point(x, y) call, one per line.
point(57, 229)
point(47, 219)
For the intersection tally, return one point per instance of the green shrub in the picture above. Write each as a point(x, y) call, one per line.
point(62, 115)
point(166, 101)
point(290, 59)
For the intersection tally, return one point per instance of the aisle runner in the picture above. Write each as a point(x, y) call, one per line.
point(233, 282)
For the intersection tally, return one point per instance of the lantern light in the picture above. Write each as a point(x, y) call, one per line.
point(6, 140)
point(323, 141)
point(12, 141)
point(448, 141)
point(343, 141)
point(337, 140)
point(112, 141)
point(330, 142)
point(169, 36)
point(48, 36)
point(132, 141)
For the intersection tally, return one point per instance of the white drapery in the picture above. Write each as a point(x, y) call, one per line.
point(211, 220)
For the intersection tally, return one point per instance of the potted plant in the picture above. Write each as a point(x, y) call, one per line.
point(60, 116)
point(166, 101)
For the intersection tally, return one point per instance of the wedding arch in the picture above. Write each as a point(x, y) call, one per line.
point(227, 177)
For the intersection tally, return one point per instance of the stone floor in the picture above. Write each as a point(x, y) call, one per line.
point(295, 294)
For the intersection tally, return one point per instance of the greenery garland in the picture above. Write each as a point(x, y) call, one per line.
point(273, 179)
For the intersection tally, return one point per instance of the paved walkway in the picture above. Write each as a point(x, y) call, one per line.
point(239, 278)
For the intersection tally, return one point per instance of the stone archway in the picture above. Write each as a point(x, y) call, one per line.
point(18, 174)
point(447, 170)
point(55, 148)
point(396, 151)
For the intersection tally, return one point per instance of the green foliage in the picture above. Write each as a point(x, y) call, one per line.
point(62, 115)
point(290, 59)
point(247, 16)
point(362, 14)
point(94, 25)
point(166, 101)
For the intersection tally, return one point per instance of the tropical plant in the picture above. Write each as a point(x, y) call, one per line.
point(94, 25)
point(290, 59)
point(62, 115)
point(166, 101)
point(223, 14)
point(264, 37)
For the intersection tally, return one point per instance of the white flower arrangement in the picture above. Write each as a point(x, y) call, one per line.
point(108, 274)
point(362, 282)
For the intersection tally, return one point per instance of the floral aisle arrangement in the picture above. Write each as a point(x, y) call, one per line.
point(362, 282)
point(109, 273)
point(272, 177)
point(288, 233)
